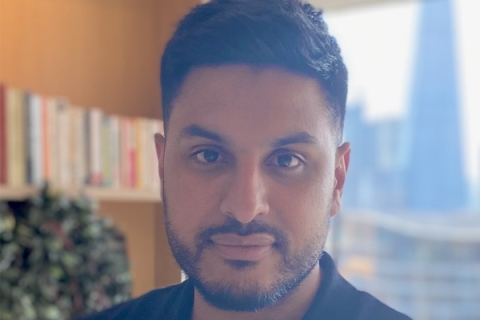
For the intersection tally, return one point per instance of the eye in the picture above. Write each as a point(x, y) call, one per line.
point(207, 156)
point(287, 161)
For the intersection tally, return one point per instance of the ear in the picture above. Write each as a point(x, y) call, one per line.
point(160, 148)
point(342, 159)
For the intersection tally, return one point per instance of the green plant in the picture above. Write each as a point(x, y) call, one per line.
point(58, 259)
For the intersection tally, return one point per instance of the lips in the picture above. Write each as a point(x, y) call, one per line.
point(250, 248)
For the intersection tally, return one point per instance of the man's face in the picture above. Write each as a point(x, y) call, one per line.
point(251, 175)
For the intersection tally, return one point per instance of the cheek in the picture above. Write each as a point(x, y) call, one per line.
point(190, 199)
point(306, 220)
point(304, 210)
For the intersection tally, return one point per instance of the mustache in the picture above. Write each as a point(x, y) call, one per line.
point(236, 227)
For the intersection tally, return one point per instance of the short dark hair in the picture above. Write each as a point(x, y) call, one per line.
point(268, 33)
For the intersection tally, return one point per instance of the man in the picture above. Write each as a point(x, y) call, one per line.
point(253, 167)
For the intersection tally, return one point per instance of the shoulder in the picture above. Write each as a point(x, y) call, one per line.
point(365, 306)
point(154, 305)
point(338, 299)
point(344, 301)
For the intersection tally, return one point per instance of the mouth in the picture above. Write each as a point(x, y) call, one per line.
point(247, 248)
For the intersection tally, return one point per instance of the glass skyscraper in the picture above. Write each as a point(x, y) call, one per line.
point(435, 179)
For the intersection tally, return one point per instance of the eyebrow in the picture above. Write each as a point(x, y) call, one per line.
point(194, 130)
point(301, 137)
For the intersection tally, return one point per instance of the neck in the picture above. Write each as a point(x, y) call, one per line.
point(292, 307)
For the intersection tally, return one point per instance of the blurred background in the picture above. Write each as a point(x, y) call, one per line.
point(409, 232)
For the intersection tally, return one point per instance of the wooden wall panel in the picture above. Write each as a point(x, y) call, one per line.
point(152, 262)
point(137, 222)
point(99, 53)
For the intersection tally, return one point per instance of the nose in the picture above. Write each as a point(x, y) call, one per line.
point(245, 194)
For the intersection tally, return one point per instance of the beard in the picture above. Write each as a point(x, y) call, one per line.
point(239, 296)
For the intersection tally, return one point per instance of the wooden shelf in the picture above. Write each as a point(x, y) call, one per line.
point(96, 193)
point(16, 193)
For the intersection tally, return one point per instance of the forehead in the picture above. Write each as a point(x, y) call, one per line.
point(247, 102)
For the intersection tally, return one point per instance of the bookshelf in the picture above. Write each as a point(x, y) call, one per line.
point(94, 193)
point(99, 54)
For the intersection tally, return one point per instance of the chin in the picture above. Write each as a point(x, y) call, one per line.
point(241, 273)
point(246, 286)
point(237, 295)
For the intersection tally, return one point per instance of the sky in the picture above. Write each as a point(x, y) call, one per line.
point(378, 43)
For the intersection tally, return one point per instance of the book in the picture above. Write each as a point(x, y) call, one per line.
point(63, 131)
point(33, 139)
point(115, 151)
point(132, 152)
point(124, 153)
point(157, 128)
point(78, 147)
point(53, 139)
point(15, 137)
point(107, 150)
point(94, 141)
point(11, 134)
point(45, 119)
point(3, 136)
point(87, 150)
point(151, 155)
point(47, 139)
point(147, 142)
point(140, 146)
point(28, 134)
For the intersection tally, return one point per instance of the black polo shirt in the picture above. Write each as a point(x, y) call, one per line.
point(336, 299)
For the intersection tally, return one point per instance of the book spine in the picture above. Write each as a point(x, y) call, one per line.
point(158, 128)
point(87, 156)
point(132, 153)
point(83, 148)
point(27, 120)
point(45, 138)
point(74, 122)
point(140, 148)
point(153, 155)
point(106, 152)
point(10, 137)
point(3, 136)
point(36, 139)
point(53, 141)
point(124, 153)
point(149, 151)
point(77, 147)
point(63, 137)
point(115, 151)
point(151, 158)
point(15, 139)
point(95, 147)
point(147, 173)
point(21, 149)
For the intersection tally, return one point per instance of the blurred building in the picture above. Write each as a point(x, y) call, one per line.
point(377, 165)
point(435, 178)
point(405, 235)
point(426, 267)
point(415, 163)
